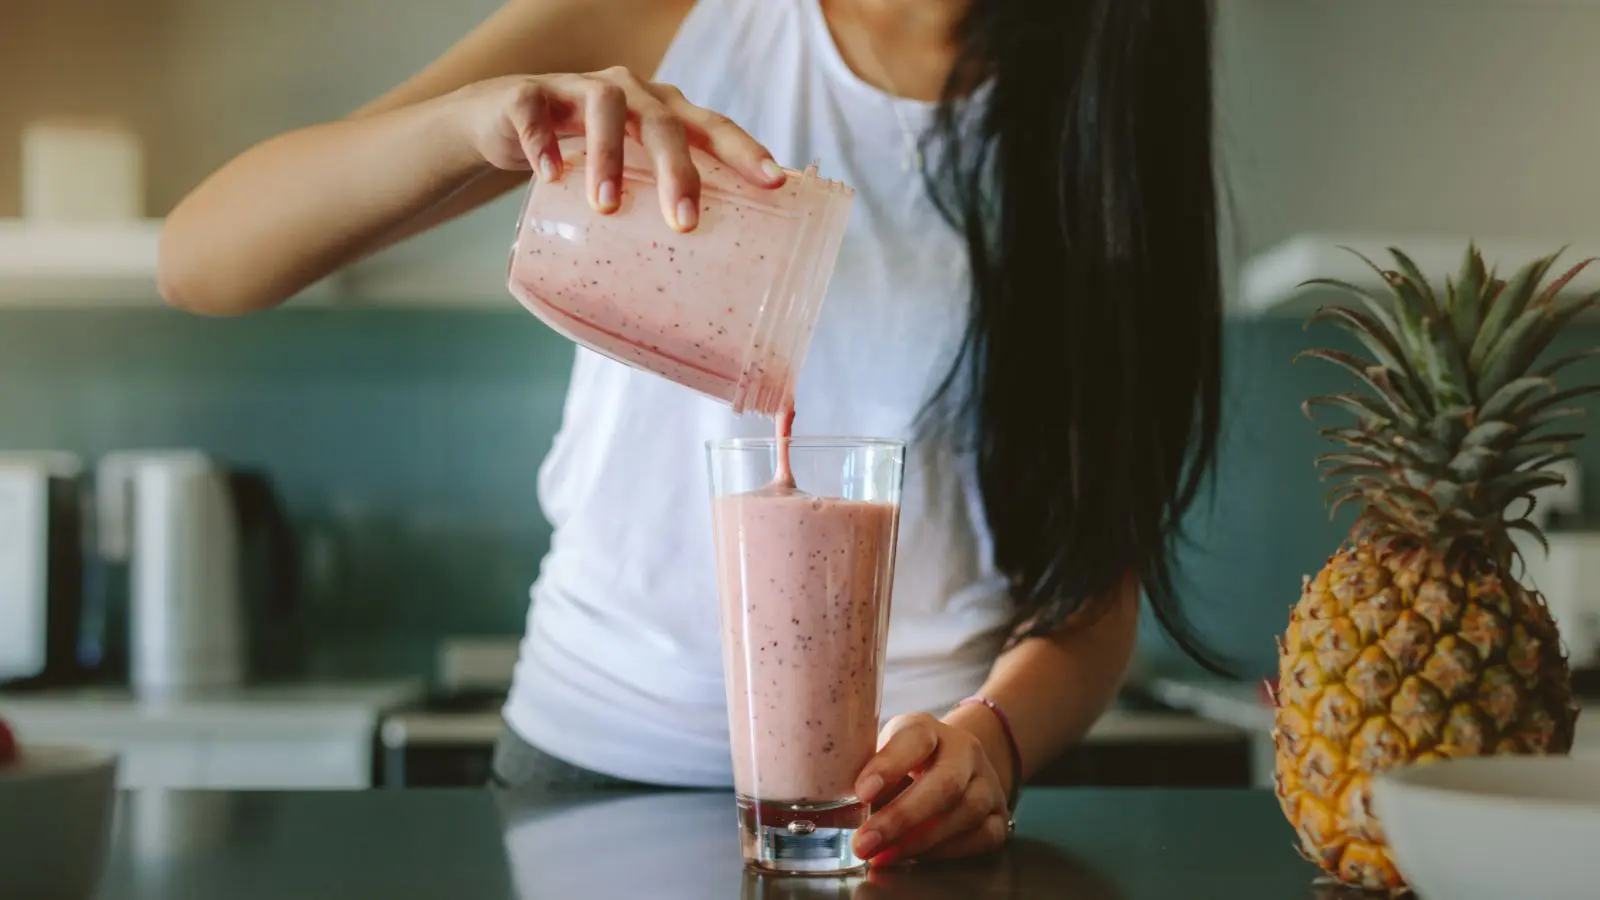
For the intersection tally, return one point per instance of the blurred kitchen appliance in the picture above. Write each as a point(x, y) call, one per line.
point(447, 738)
point(1569, 579)
point(198, 539)
point(1568, 576)
point(81, 170)
point(41, 568)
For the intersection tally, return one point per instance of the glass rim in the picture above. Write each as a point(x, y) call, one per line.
point(810, 442)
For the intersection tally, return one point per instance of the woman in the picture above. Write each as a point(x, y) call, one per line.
point(1028, 293)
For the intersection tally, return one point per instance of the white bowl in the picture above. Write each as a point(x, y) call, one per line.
point(56, 808)
point(1494, 827)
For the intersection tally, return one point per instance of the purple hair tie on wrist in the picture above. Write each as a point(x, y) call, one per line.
point(1011, 742)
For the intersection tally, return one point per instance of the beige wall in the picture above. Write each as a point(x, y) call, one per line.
point(77, 57)
point(1425, 115)
point(1451, 115)
point(202, 79)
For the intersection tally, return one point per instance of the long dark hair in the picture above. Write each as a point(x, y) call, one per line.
point(1090, 377)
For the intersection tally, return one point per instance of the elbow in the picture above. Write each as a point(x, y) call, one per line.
point(192, 277)
point(177, 285)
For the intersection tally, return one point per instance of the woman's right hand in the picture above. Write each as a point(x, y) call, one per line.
point(514, 123)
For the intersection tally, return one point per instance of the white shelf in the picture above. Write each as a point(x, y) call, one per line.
point(1271, 283)
point(110, 265)
point(46, 265)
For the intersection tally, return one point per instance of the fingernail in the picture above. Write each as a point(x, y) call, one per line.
point(870, 788)
point(771, 169)
point(867, 842)
point(547, 167)
point(608, 194)
point(688, 213)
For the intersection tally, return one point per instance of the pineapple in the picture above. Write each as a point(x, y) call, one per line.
point(1416, 642)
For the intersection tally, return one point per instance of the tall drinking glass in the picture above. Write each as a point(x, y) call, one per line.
point(804, 572)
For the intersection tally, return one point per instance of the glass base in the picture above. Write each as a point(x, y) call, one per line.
point(759, 885)
point(801, 838)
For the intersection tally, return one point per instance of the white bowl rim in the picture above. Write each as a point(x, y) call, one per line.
point(49, 761)
point(1414, 778)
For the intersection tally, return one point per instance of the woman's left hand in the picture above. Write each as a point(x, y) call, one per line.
point(954, 806)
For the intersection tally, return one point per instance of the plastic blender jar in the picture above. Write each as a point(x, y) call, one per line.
point(727, 309)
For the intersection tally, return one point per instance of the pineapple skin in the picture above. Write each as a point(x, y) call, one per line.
point(1395, 654)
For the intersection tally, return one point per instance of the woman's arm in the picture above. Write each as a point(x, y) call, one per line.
point(1052, 690)
point(295, 208)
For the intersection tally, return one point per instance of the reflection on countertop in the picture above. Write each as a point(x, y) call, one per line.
point(681, 846)
point(1085, 844)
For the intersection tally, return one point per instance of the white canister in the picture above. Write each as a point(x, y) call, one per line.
point(81, 170)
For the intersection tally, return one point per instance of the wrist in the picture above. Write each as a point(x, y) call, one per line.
point(987, 726)
point(450, 122)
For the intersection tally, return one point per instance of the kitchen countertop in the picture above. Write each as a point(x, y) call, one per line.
point(462, 844)
point(1241, 705)
point(420, 728)
point(276, 710)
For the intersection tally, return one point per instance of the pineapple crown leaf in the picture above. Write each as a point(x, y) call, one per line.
point(1508, 304)
point(1512, 395)
point(1365, 408)
point(1470, 463)
point(1568, 360)
point(1543, 403)
point(1380, 343)
point(1440, 344)
point(1463, 293)
point(1545, 462)
point(1375, 377)
point(1447, 432)
point(1548, 295)
point(1423, 448)
point(1509, 487)
point(1339, 496)
point(1526, 526)
point(1550, 416)
point(1415, 309)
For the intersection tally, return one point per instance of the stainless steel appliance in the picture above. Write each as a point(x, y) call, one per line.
point(205, 547)
point(41, 568)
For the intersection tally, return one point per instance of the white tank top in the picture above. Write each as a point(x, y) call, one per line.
point(621, 670)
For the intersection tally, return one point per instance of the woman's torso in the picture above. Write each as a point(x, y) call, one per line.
point(621, 666)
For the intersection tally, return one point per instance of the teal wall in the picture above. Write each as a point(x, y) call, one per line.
point(1264, 525)
point(407, 444)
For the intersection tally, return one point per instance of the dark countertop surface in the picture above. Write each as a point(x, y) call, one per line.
point(463, 844)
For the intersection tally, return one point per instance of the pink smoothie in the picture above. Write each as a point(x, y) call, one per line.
point(685, 306)
point(805, 587)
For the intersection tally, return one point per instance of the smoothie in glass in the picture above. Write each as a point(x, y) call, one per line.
point(804, 568)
